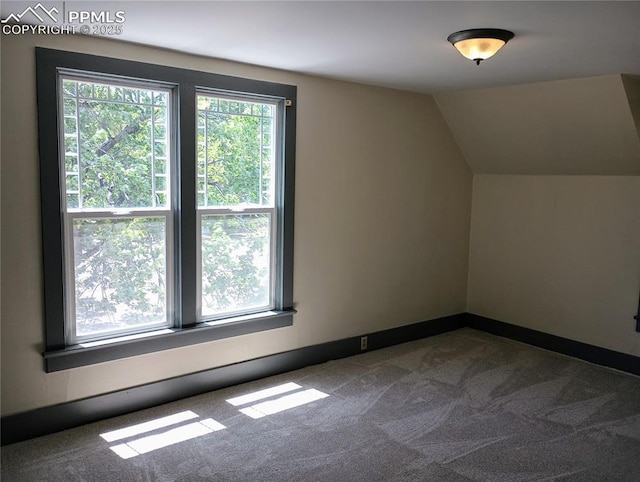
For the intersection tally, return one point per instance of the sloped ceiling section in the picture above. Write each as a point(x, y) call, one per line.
point(632, 88)
point(567, 127)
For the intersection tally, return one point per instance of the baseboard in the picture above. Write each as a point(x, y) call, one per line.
point(594, 354)
point(46, 420)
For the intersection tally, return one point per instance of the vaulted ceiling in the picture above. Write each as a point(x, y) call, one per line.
point(577, 126)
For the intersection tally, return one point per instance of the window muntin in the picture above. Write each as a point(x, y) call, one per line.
point(116, 200)
point(237, 216)
point(116, 144)
point(236, 151)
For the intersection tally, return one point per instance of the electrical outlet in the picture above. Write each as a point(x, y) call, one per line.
point(363, 342)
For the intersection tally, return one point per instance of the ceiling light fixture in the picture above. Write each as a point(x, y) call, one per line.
point(478, 44)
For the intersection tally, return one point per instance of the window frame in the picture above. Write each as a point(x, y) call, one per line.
point(113, 213)
point(187, 328)
point(206, 210)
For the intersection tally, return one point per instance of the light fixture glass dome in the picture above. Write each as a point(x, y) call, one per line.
point(479, 44)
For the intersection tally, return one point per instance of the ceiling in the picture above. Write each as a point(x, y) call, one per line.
point(587, 126)
point(392, 43)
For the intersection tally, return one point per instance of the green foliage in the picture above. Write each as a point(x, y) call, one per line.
point(117, 156)
point(235, 262)
point(120, 272)
point(234, 153)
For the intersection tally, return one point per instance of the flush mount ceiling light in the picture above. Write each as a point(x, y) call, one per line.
point(478, 44)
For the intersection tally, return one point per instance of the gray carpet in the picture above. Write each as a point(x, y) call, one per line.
point(459, 406)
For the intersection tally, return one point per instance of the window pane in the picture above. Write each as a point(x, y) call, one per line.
point(119, 137)
point(235, 263)
point(120, 274)
point(235, 152)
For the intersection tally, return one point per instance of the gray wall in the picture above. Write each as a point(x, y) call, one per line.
point(383, 217)
point(558, 254)
point(383, 200)
point(555, 231)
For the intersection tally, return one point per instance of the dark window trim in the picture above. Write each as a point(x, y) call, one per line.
point(77, 355)
point(59, 356)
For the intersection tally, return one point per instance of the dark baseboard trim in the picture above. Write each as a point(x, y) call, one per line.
point(47, 420)
point(594, 354)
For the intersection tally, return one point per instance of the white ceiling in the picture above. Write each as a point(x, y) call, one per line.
point(394, 43)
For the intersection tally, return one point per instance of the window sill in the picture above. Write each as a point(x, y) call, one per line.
point(166, 339)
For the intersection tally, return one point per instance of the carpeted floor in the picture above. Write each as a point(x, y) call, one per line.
point(459, 406)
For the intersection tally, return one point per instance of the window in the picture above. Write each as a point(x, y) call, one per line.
point(167, 206)
point(117, 206)
point(236, 210)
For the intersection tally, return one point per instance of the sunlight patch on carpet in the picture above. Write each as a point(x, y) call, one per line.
point(156, 441)
point(171, 437)
point(281, 404)
point(262, 394)
point(145, 427)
